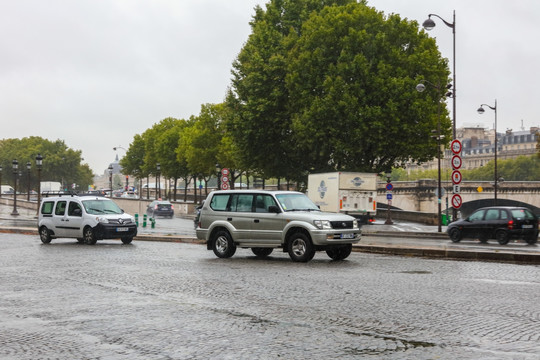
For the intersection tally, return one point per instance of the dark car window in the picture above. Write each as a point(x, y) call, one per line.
point(522, 214)
point(478, 215)
point(492, 214)
point(74, 209)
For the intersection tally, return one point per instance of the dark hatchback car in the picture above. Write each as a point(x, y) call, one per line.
point(502, 223)
point(160, 208)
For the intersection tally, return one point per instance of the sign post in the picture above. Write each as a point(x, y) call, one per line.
point(456, 176)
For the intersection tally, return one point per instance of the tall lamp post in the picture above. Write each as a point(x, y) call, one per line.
point(39, 163)
point(420, 88)
point(15, 165)
point(28, 167)
point(481, 111)
point(0, 181)
point(158, 193)
point(110, 176)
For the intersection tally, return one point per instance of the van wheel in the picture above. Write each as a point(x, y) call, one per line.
point(502, 237)
point(45, 235)
point(127, 240)
point(223, 245)
point(455, 235)
point(339, 252)
point(300, 248)
point(262, 252)
point(88, 234)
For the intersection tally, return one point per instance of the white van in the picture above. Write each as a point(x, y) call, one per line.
point(6, 189)
point(85, 218)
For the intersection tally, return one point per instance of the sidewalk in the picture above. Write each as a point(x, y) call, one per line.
point(403, 239)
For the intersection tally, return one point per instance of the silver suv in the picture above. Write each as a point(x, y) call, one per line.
point(86, 218)
point(264, 220)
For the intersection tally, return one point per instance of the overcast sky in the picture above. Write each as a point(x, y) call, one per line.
point(96, 72)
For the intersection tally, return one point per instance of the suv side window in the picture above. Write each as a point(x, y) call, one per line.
point(47, 207)
point(521, 214)
point(263, 202)
point(219, 202)
point(492, 214)
point(60, 208)
point(242, 203)
point(479, 215)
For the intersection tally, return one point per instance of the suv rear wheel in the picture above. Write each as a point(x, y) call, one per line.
point(300, 248)
point(223, 245)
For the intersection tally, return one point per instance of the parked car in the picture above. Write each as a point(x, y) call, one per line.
point(265, 220)
point(160, 208)
point(497, 222)
point(87, 218)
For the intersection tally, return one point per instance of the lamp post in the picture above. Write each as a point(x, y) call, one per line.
point(15, 165)
point(0, 181)
point(158, 193)
point(481, 111)
point(28, 167)
point(420, 88)
point(110, 176)
point(388, 215)
point(218, 171)
point(39, 163)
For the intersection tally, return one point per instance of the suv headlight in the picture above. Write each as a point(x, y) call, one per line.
point(355, 224)
point(322, 224)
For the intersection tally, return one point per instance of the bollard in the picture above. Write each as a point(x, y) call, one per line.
point(153, 221)
point(144, 221)
point(136, 219)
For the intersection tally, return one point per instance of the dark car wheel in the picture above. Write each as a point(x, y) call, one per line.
point(455, 235)
point(223, 245)
point(127, 240)
point(262, 252)
point(300, 248)
point(45, 235)
point(89, 238)
point(339, 252)
point(502, 237)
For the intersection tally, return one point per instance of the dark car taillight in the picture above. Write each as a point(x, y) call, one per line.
point(510, 224)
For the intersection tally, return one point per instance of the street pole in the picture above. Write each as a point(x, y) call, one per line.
point(15, 165)
point(496, 180)
point(39, 163)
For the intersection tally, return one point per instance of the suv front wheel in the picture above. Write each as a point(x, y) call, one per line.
point(223, 245)
point(300, 248)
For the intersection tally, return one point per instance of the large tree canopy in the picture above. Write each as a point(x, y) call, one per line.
point(330, 85)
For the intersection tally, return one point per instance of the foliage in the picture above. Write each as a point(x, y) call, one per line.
point(60, 163)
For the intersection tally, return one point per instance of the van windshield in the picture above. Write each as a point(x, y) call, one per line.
point(100, 207)
point(296, 202)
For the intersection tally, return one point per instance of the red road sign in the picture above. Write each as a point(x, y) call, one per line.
point(225, 178)
point(389, 187)
point(456, 201)
point(224, 171)
point(456, 147)
point(225, 186)
point(456, 162)
point(456, 177)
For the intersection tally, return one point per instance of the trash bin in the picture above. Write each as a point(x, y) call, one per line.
point(444, 219)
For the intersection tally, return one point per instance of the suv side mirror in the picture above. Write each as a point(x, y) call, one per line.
point(273, 209)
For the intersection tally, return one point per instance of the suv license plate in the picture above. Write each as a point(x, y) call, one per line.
point(527, 226)
point(347, 236)
point(122, 229)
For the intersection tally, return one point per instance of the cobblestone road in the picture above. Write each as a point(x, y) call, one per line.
point(153, 300)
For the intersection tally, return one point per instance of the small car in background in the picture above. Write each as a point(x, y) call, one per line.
point(160, 208)
point(502, 223)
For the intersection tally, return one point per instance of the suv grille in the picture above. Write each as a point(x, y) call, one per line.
point(342, 224)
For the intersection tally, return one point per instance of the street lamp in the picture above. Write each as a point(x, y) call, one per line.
point(110, 176)
point(15, 165)
point(39, 163)
point(481, 111)
point(158, 168)
point(420, 88)
point(28, 167)
point(388, 215)
point(218, 171)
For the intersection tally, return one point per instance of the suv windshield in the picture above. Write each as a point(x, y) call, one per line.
point(100, 207)
point(296, 202)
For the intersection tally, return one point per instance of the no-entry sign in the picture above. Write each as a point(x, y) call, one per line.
point(456, 201)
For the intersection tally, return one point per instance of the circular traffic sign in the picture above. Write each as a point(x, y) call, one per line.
point(456, 177)
point(456, 201)
point(225, 178)
point(456, 162)
point(224, 171)
point(225, 186)
point(456, 146)
point(389, 187)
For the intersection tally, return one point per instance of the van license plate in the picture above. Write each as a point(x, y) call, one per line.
point(527, 226)
point(122, 229)
point(347, 236)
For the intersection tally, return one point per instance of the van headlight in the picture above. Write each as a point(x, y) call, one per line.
point(102, 220)
point(322, 224)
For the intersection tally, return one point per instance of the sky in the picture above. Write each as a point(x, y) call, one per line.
point(94, 73)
